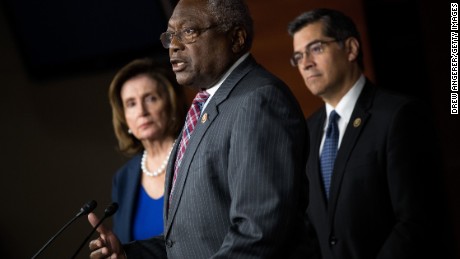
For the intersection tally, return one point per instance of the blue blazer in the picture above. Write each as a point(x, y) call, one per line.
point(125, 186)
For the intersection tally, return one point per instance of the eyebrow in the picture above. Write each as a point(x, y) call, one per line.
point(309, 44)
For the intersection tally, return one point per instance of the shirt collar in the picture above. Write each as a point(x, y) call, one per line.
point(346, 105)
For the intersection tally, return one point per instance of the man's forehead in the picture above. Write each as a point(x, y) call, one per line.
point(307, 35)
point(189, 15)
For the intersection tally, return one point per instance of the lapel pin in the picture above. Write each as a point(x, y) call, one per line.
point(357, 122)
point(204, 118)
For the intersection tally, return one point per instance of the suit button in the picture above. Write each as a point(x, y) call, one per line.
point(333, 241)
point(169, 243)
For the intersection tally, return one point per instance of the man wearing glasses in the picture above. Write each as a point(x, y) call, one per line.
point(372, 169)
point(236, 178)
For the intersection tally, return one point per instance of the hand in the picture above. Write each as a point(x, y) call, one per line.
point(107, 244)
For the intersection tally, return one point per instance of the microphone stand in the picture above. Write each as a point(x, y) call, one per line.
point(109, 211)
point(87, 208)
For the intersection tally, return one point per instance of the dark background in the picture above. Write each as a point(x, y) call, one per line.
point(60, 38)
point(57, 59)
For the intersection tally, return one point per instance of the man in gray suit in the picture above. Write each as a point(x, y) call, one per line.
point(238, 188)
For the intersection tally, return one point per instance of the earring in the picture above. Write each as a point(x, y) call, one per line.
point(130, 131)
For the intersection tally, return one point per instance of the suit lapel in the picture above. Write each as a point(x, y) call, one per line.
point(355, 126)
point(211, 111)
point(317, 132)
point(182, 174)
point(133, 183)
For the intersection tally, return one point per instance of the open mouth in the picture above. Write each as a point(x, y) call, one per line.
point(177, 65)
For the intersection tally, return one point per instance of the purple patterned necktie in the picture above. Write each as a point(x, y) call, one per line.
point(192, 117)
point(329, 150)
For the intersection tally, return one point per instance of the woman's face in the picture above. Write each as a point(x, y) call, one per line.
point(144, 108)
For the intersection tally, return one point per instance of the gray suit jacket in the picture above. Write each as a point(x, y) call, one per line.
point(241, 191)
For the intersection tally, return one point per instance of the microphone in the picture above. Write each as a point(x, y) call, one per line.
point(87, 208)
point(109, 211)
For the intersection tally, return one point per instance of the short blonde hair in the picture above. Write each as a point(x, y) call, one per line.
point(168, 89)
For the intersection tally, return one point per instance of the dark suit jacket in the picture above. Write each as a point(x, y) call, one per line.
point(241, 189)
point(382, 194)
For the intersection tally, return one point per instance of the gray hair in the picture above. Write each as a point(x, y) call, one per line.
point(231, 13)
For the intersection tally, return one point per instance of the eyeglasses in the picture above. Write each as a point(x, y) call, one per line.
point(314, 48)
point(185, 36)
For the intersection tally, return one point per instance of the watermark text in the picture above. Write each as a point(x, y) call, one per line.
point(454, 58)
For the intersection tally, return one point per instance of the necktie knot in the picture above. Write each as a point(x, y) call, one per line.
point(200, 98)
point(332, 127)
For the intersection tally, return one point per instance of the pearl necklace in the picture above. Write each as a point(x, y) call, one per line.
point(160, 170)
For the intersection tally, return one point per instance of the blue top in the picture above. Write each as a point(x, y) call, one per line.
point(126, 191)
point(148, 217)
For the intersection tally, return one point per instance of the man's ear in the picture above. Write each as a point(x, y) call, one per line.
point(238, 39)
point(352, 46)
